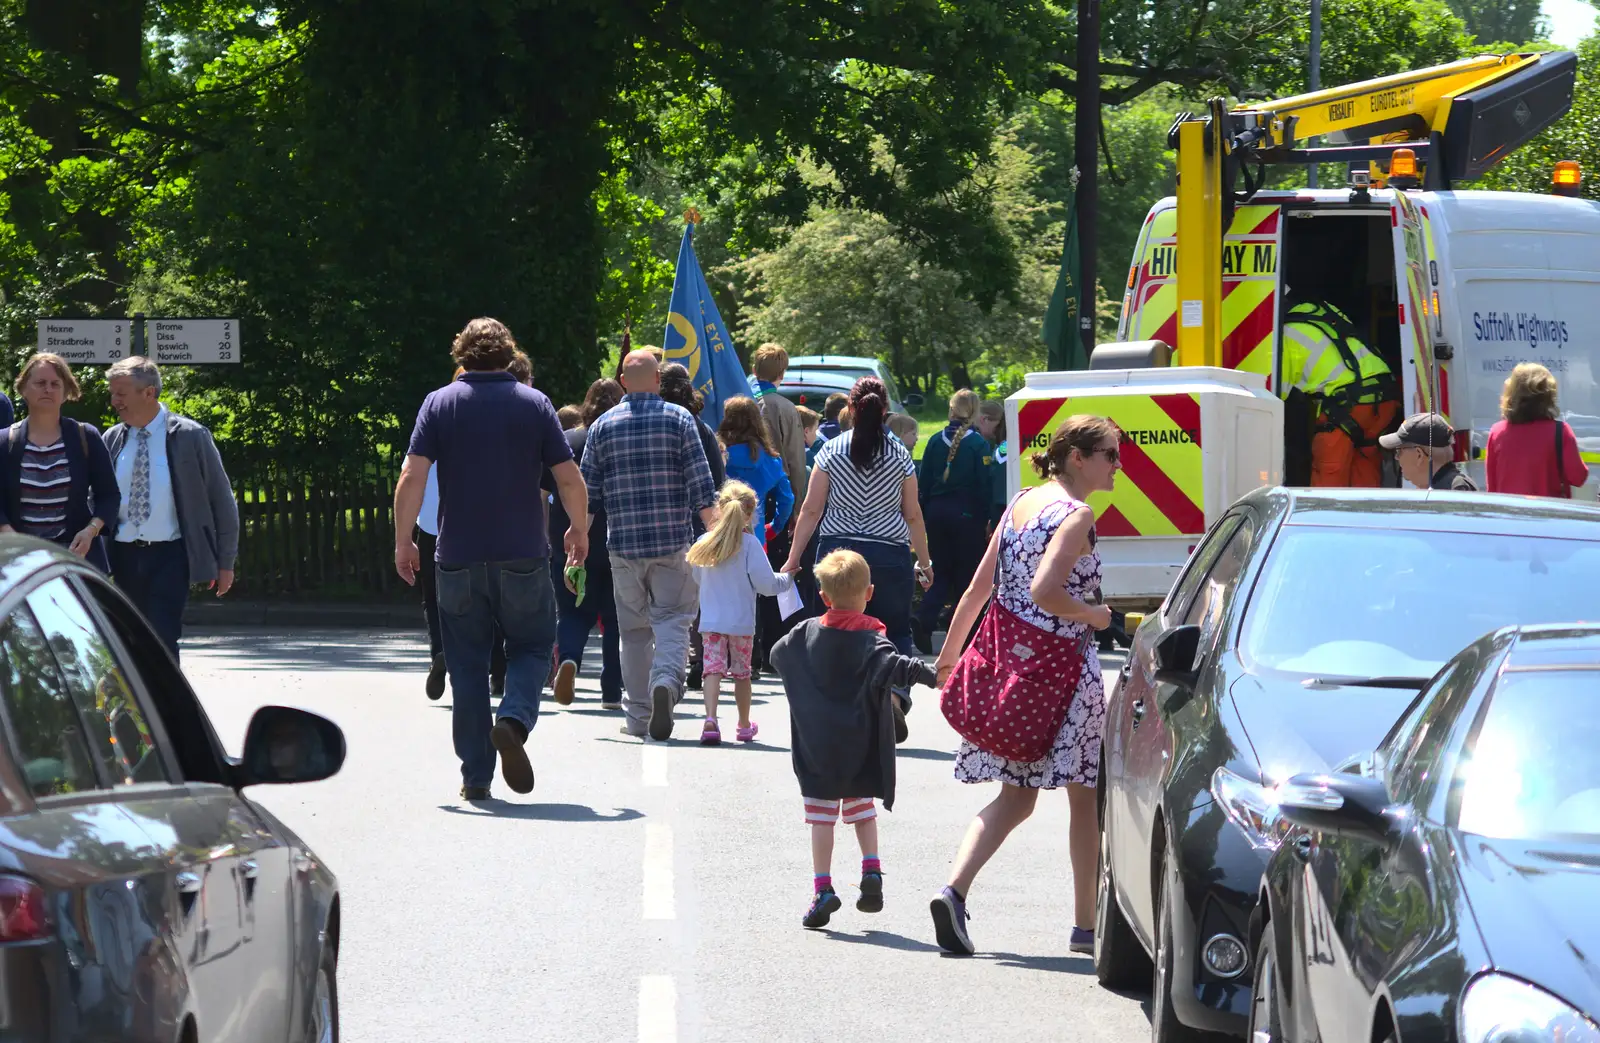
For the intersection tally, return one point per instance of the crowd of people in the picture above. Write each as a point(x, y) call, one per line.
point(679, 541)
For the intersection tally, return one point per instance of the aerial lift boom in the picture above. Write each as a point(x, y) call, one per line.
point(1459, 120)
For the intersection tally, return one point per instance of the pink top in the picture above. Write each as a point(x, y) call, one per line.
point(1522, 459)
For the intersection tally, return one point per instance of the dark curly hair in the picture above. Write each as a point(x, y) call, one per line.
point(679, 389)
point(603, 394)
point(484, 345)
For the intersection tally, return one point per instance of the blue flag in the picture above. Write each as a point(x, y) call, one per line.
point(697, 338)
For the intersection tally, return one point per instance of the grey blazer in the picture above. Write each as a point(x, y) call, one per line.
point(208, 517)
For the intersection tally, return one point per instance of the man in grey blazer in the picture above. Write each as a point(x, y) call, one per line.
point(179, 523)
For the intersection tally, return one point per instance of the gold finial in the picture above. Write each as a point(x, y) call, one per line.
point(691, 216)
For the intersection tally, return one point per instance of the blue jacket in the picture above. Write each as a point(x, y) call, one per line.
point(963, 472)
point(766, 476)
point(89, 466)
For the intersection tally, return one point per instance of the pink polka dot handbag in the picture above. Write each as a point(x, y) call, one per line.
point(1012, 688)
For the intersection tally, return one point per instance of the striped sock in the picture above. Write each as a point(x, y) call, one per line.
point(823, 882)
point(870, 864)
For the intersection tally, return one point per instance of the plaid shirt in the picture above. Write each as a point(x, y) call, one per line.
point(645, 467)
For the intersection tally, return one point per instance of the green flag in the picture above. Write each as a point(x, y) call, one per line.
point(1063, 343)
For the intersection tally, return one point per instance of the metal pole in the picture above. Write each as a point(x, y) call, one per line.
point(137, 329)
point(1316, 69)
point(1087, 135)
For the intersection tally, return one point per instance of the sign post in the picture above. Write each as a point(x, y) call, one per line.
point(93, 341)
point(177, 342)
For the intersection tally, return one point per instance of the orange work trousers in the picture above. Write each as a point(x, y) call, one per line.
point(1336, 461)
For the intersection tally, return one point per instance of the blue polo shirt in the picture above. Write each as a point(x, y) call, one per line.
point(492, 437)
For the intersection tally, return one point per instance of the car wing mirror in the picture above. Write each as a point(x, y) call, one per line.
point(1339, 804)
point(1175, 654)
point(285, 745)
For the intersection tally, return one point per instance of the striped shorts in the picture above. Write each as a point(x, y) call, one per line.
point(826, 812)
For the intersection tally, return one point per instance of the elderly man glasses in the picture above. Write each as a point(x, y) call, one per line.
point(1424, 447)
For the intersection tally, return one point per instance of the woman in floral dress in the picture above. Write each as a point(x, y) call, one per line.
point(1050, 576)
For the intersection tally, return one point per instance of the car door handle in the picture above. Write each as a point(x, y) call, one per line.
point(1302, 847)
point(1138, 711)
point(249, 869)
point(189, 883)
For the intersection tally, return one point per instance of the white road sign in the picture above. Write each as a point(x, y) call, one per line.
point(188, 342)
point(87, 340)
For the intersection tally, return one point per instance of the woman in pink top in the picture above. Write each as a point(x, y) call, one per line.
point(1532, 451)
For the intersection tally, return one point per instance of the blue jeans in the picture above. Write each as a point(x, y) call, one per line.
point(956, 542)
point(892, 580)
point(155, 577)
point(473, 600)
point(575, 621)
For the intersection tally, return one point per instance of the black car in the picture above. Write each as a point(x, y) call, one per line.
point(142, 897)
point(1302, 626)
point(1444, 889)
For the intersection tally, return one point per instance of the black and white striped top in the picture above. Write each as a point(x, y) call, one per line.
point(865, 504)
point(45, 484)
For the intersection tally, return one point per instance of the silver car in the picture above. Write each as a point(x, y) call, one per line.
point(143, 897)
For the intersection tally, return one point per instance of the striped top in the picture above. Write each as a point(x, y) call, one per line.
point(45, 484)
point(865, 504)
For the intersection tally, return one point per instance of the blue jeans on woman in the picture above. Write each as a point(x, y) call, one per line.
point(893, 580)
point(575, 621)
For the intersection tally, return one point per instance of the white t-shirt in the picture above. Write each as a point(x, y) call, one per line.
point(728, 591)
point(428, 520)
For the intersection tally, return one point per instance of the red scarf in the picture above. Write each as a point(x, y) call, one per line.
point(840, 619)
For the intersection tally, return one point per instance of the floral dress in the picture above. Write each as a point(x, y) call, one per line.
point(1075, 755)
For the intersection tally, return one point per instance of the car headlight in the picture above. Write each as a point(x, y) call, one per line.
point(1250, 806)
point(1501, 1009)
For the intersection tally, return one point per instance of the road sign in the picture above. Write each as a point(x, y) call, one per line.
point(87, 340)
point(188, 342)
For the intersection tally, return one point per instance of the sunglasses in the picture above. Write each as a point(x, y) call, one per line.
point(1112, 455)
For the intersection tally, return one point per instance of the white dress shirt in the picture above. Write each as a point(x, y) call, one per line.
point(162, 525)
point(428, 519)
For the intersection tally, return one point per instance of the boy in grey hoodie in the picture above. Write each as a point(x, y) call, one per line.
point(838, 671)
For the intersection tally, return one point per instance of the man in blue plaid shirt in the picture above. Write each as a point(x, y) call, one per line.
point(646, 468)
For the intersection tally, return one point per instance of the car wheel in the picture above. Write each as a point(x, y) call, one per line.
point(325, 1002)
point(1266, 1015)
point(1120, 962)
point(1164, 1024)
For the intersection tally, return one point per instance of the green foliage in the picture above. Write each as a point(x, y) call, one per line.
point(1490, 20)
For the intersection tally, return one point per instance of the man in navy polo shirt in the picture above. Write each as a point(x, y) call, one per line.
point(492, 437)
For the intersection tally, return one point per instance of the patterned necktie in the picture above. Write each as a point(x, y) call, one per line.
point(139, 490)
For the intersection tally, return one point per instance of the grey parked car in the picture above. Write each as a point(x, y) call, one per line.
point(143, 898)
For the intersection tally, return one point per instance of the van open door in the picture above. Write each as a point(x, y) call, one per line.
point(1416, 282)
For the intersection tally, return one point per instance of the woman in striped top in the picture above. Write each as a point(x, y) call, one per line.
point(50, 463)
point(862, 496)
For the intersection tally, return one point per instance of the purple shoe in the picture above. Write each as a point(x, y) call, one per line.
point(1082, 941)
point(950, 923)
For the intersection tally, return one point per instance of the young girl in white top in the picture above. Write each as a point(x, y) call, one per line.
point(733, 569)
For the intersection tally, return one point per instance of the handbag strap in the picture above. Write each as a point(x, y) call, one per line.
point(1561, 469)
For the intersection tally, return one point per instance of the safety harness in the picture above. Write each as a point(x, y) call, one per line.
point(1363, 390)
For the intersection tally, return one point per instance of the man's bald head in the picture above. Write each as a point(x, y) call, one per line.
point(641, 371)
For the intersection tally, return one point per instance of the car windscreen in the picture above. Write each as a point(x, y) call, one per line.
point(1372, 602)
point(1531, 772)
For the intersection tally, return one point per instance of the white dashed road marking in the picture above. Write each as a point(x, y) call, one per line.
point(658, 903)
point(658, 1009)
point(654, 766)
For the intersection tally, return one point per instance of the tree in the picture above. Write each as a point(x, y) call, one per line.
point(1515, 21)
point(1575, 136)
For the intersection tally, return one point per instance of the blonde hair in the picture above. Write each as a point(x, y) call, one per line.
point(1083, 432)
point(736, 511)
point(809, 418)
point(903, 427)
point(995, 409)
point(1529, 394)
point(843, 575)
point(963, 407)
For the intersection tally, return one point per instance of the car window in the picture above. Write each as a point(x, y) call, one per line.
point(1529, 770)
point(1419, 740)
point(1374, 602)
point(54, 754)
point(1199, 565)
point(118, 733)
point(1215, 590)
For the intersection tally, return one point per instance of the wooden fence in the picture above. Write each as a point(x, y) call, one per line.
point(323, 537)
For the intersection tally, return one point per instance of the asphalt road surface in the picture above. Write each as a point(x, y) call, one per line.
point(647, 893)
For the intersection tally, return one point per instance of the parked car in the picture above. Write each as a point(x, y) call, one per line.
point(1442, 889)
point(1302, 626)
point(143, 898)
point(828, 371)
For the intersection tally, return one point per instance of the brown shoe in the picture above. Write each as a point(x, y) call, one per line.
point(508, 735)
point(566, 676)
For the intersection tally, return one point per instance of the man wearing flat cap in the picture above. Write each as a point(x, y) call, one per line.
point(1424, 447)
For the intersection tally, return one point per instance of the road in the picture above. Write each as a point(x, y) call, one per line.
point(645, 893)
